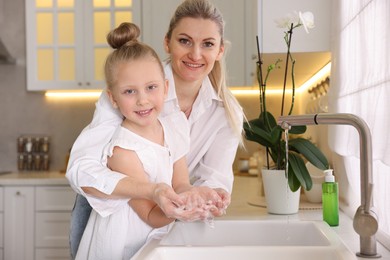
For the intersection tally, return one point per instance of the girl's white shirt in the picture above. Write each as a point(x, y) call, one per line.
point(213, 144)
point(121, 233)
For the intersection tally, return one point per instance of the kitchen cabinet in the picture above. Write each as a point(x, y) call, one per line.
point(240, 30)
point(36, 222)
point(18, 223)
point(66, 41)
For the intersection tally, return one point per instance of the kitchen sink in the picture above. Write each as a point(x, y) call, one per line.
point(248, 239)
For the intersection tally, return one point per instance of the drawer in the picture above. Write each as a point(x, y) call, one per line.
point(54, 198)
point(52, 253)
point(52, 229)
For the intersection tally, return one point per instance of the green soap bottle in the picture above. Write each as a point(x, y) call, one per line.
point(330, 199)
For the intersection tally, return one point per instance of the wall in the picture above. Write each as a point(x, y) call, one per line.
point(24, 112)
point(317, 40)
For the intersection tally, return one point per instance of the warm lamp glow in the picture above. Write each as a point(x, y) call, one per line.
point(321, 74)
point(73, 94)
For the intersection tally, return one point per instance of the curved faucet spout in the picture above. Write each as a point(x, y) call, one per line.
point(364, 215)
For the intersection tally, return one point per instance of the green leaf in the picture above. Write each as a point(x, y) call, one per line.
point(256, 131)
point(310, 152)
point(297, 129)
point(297, 169)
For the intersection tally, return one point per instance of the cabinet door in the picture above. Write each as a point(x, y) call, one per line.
point(52, 52)
point(100, 17)
point(66, 46)
point(19, 223)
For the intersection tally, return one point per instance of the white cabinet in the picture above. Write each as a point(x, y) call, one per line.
point(66, 41)
point(19, 223)
point(240, 31)
point(36, 222)
point(53, 207)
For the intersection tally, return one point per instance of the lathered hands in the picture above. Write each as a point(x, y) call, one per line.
point(197, 203)
point(202, 203)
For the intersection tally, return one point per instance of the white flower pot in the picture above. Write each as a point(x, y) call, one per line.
point(280, 199)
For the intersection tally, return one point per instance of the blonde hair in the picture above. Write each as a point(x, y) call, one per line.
point(124, 41)
point(206, 10)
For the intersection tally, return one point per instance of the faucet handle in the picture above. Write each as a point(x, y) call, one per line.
point(365, 223)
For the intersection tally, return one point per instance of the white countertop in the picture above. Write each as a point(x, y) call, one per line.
point(246, 188)
point(33, 178)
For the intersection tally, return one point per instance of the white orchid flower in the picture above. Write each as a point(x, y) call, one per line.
point(307, 20)
point(297, 19)
point(285, 22)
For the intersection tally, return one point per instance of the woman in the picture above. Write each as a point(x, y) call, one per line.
point(145, 146)
point(197, 86)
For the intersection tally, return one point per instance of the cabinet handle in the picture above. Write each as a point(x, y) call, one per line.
point(18, 193)
point(80, 84)
point(88, 83)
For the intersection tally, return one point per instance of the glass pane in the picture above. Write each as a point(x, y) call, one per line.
point(100, 58)
point(45, 64)
point(66, 64)
point(44, 28)
point(65, 3)
point(44, 3)
point(101, 3)
point(66, 28)
point(101, 27)
point(123, 3)
point(121, 17)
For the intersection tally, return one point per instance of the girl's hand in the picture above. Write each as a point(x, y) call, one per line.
point(213, 202)
point(173, 205)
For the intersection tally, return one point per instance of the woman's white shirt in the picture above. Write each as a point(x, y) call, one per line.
point(213, 143)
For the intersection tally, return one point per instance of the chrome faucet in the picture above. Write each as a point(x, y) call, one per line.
point(365, 221)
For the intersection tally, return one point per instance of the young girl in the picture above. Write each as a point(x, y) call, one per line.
point(146, 147)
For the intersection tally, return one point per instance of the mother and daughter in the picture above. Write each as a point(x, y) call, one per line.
point(162, 140)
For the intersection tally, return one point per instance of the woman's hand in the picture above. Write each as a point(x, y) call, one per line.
point(174, 206)
point(225, 202)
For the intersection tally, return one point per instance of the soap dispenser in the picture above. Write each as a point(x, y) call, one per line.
point(330, 199)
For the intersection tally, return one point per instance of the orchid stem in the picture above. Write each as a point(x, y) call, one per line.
point(289, 33)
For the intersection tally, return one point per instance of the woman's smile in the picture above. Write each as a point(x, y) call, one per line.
point(193, 65)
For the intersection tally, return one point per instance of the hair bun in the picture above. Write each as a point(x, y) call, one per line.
point(124, 33)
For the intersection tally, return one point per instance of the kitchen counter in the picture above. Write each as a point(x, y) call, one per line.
point(247, 188)
point(33, 178)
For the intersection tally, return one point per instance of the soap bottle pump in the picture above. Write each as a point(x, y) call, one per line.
point(330, 199)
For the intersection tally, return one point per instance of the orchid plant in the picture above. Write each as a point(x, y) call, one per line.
point(264, 129)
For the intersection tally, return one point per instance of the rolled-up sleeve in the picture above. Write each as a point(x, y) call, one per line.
point(85, 167)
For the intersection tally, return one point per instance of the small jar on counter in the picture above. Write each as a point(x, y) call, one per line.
point(45, 144)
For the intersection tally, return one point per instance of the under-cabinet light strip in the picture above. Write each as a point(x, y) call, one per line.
point(73, 94)
point(322, 73)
